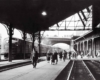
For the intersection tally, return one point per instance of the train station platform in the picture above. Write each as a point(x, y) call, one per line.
point(43, 71)
point(5, 65)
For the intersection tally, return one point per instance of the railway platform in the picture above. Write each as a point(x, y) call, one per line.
point(63, 70)
point(6, 65)
point(43, 71)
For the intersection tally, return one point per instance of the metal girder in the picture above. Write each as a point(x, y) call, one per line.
point(81, 20)
point(58, 25)
point(88, 10)
point(76, 25)
point(69, 22)
point(84, 15)
point(67, 29)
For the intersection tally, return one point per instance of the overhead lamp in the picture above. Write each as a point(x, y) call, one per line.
point(44, 13)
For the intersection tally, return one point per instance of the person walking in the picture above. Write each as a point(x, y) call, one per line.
point(48, 56)
point(64, 55)
point(70, 55)
point(34, 58)
point(52, 58)
point(60, 55)
point(55, 57)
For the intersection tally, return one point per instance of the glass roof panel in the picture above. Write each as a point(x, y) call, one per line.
point(74, 22)
point(84, 10)
point(62, 34)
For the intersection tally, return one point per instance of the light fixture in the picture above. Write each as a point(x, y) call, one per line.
point(44, 13)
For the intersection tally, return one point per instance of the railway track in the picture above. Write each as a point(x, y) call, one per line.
point(65, 72)
point(84, 70)
point(8, 67)
point(80, 71)
point(76, 70)
point(94, 67)
point(16, 65)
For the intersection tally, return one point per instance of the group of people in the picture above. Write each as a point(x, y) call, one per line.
point(52, 57)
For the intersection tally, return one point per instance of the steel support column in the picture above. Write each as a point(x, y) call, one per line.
point(80, 47)
point(83, 47)
point(39, 43)
point(92, 47)
point(87, 45)
point(33, 47)
point(24, 44)
point(77, 47)
point(11, 32)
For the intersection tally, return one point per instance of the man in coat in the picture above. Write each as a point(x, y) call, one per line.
point(34, 58)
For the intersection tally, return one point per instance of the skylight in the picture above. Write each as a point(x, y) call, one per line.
point(74, 22)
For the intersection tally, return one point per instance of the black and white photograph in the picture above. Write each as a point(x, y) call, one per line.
point(49, 39)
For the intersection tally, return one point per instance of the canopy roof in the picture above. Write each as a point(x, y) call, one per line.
point(26, 14)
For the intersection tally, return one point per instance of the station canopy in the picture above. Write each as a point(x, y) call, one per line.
point(66, 28)
point(35, 15)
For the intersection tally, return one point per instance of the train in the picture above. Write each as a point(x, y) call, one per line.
point(18, 48)
point(19, 51)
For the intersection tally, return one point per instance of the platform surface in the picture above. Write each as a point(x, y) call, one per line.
point(43, 71)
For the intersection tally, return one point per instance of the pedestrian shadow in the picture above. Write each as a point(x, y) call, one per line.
point(64, 73)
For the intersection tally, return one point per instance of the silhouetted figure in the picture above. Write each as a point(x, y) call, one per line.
point(48, 56)
point(52, 58)
point(55, 57)
point(34, 56)
point(64, 55)
point(60, 55)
